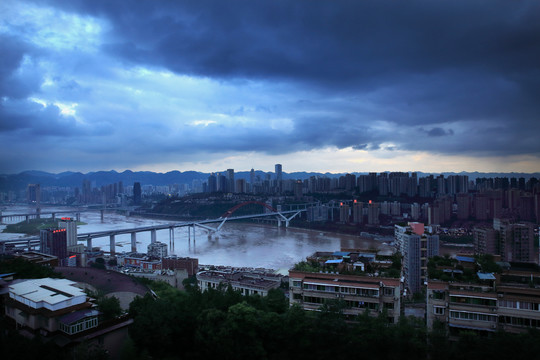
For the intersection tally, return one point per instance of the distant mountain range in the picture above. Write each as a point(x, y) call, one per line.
point(15, 182)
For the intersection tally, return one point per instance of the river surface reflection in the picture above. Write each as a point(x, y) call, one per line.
point(237, 244)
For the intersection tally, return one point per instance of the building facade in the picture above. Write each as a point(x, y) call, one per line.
point(247, 282)
point(359, 293)
point(483, 308)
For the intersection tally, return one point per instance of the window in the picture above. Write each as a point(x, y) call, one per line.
point(437, 310)
point(297, 283)
point(462, 315)
point(438, 295)
point(388, 291)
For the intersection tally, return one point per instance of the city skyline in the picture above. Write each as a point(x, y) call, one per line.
point(330, 87)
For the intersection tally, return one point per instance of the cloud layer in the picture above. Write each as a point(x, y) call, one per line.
point(102, 84)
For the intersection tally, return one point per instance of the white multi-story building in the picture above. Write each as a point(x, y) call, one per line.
point(157, 250)
point(48, 305)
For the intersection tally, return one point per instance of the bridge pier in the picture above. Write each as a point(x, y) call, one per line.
point(78, 216)
point(112, 245)
point(30, 246)
point(27, 218)
point(102, 214)
point(171, 239)
point(89, 244)
point(53, 216)
point(133, 242)
point(152, 236)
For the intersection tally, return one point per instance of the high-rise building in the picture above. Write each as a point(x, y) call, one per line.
point(373, 213)
point(222, 183)
point(212, 183)
point(137, 193)
point(279, 174)
point(230, 180)
point(463, 206)
point(415, 211)
point(86, 191)
point(358, 213)
point(481, 206)
point(33, 193)
point(485, 241)
point(54, 242)
point(298, 189)
point(517, 243)
point(240, 186)
point(279, 178)
point(416, 247)
point(344, 215)
point(70, 226)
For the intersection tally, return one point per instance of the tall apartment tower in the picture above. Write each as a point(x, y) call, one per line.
point(373, 213)
point(517, 243)
point(212, 183)
point(416, 247)
point(344, 215)
point(230, 180)
point(485, 241)
point(33, 193)
point(463, 206)
point(279, 174)
point(137, 193)
point(358, 213)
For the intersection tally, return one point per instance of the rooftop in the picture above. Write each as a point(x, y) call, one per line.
point(47, 290)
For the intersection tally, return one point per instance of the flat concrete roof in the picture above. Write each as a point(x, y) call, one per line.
point(51, 291)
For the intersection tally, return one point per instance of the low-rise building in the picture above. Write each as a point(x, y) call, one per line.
point(47, 305)
point(359, 293)
point(191, 265)
point(140, 261)
point(247, 281)
point(509, 301)
point(157, 250)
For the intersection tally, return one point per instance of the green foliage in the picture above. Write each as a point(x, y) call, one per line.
point(25, 269)
point(308, 266)
point(487, 264)
point(98, 265)
point(110, 307)
point(223, 324)
point(33, 226)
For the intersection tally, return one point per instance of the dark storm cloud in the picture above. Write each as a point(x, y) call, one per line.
point(15, 81)
point(461, 61)
point(439, 132)
point(326, 42)
point(452, 78)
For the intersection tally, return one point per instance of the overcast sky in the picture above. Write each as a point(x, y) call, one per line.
point(314, 85)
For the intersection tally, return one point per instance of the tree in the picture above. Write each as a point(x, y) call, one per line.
point(109, 307)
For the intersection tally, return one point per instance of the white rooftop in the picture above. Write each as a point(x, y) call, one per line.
point(47, 290)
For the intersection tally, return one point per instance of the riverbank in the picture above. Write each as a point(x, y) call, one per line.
point(33, 226)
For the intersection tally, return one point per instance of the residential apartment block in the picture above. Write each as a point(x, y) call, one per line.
point(416, 247)
point(359, 293)
point(486, 306)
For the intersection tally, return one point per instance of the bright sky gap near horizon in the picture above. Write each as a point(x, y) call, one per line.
point(325, 86)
